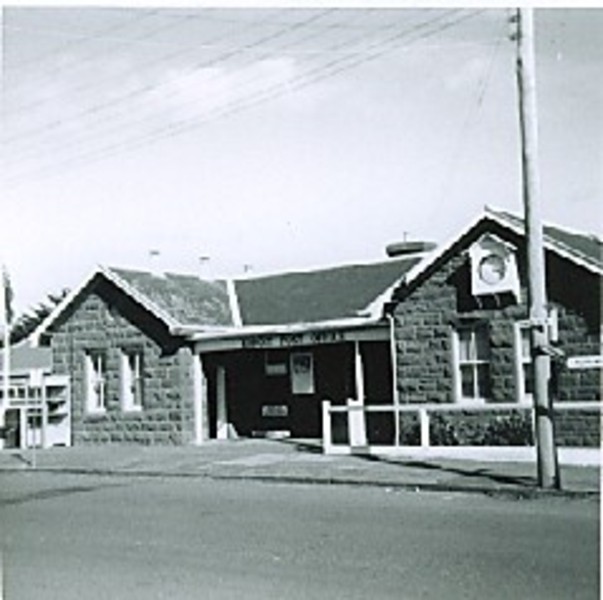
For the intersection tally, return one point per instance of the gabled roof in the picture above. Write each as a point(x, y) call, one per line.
point(582, 247)
point(316, 296)
point(189, 305)
point(179, 301)
point(187, 299)
point(585, 250)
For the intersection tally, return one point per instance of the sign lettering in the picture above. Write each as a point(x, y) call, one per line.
point(289, 340)
point(594, 361)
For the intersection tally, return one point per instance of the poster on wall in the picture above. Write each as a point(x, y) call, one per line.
point(302, 373)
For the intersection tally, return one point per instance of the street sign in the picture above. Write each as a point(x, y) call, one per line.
point(593, 361)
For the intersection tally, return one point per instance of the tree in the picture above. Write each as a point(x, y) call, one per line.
point(28, 321)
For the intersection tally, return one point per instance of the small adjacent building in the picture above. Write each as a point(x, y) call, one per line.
point(37, 408)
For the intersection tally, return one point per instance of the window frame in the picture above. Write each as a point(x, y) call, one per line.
point(303, 383)
point(474, 362)
point(276, 363)
point(131, 379)
point(95, 368)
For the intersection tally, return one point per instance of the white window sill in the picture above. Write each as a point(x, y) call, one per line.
point(131, 409)
point(488, 404)
point(471, 402)
point(96, 412)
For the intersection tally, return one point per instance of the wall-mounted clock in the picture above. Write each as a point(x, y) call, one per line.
point(492, 269)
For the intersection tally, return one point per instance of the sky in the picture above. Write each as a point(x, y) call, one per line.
point(226, 142)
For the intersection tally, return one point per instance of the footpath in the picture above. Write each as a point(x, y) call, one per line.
point(300, 461)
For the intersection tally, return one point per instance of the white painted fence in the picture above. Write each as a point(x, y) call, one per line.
point(356, 413)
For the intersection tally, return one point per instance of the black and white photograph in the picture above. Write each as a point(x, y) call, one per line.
point(301, 300)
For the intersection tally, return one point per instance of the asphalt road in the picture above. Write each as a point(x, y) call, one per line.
point(79, 537)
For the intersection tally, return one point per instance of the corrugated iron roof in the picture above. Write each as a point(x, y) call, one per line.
point(582, 245)
point(320, 295)
point(188, 299)
point(585, 250)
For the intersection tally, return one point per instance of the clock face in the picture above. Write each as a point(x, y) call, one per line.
point(492, 269)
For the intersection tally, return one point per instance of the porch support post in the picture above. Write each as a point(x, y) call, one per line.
point(222, 414)
point(394, 377)
point(200, 404)
point(356, 414)
point(359, 372)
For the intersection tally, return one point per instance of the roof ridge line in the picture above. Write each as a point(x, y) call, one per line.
point(575, 251)
point(551, 240)
point(332, 267)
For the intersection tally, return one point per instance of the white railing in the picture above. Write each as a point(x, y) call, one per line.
point(357, 411)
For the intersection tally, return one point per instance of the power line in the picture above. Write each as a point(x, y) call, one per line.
point(153, 61)
point(79, 62)
point(318, 73)
point(166, 94)
point(118, 127)
point(152, 88)
point(73, 43)
point(473, 110)
point(253, 99)
point(205, 64)
point(144, 38)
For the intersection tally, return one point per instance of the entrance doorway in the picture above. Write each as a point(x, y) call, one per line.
point(12, 429)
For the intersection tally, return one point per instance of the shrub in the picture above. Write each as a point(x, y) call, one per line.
point(510, 430)
point(410, 430)
point(481, 429)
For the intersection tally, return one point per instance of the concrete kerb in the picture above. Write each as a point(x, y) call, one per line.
point(302, 462)
point(508, 491)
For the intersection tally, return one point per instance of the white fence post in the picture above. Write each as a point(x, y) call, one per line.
point(396, 426)
point(424, 421)
point(356, 423)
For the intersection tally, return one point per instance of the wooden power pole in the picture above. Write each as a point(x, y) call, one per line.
point(548, 469)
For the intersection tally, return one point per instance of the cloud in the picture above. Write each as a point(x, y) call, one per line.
point(195, 92)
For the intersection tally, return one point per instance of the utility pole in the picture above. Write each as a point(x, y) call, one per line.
point(5, 319)
point(548, 469)
point(5, 380)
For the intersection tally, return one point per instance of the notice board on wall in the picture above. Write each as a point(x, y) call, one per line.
point(302, 373)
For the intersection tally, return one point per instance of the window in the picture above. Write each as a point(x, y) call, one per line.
point(275, 363)
point(302, 373)
point(131, 380)
point(523, 362)
point(471, 354)
point(95, 381)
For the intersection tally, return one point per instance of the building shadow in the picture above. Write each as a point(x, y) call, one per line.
point(314, 446)
point(475, 473)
